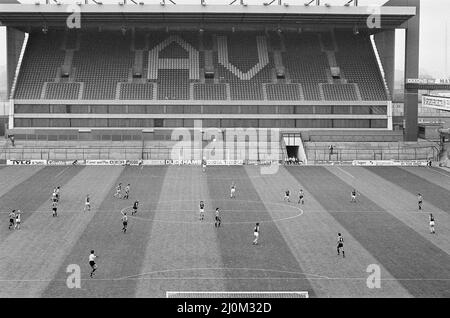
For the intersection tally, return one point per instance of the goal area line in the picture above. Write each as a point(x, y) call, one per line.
point(237, 294)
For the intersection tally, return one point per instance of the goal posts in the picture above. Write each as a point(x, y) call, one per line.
point(237, 294)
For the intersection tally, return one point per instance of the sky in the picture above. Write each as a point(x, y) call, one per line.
point(434, 32)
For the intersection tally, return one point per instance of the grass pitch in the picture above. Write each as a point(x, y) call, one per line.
point(167, 247)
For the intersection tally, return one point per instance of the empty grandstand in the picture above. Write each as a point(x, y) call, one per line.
point(82, 68)
point(119, 75)
point(101, 60)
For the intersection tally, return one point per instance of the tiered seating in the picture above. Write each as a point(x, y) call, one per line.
point(311, 91)
point(305, 62)
point(62, 90)
point(246, 91)
point(173, 84)
point(327, 41)
point(359, 65)
point(174, 51)
point(139, 39)
point(137, 91)
point(155, 37)
point(241, 49)
point(40, 64)
point(201, 59)
point(240, 63)
point(173, 62)
point(274, 40)
point(208, 41)
point(71, 40)
point(283, 92)
point(104, 59)
point(145, 64)
point(305, 68)
point(340, 92)
point(210, 91)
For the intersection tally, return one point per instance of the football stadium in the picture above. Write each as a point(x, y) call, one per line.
point(214, 149)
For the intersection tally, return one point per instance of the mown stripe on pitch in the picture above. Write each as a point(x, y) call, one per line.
point(441, 170)
point(265, 261)
point(120, 255)
point(182, 255)
point(14, 176)
point(402, 251)
point(412, 183)
point(29, 195)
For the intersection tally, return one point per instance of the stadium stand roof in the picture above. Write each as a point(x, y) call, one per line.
point(23, 16)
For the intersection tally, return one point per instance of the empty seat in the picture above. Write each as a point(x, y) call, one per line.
point(210, 91)
point(137, 91)
point(62, 90)
point(341, 92)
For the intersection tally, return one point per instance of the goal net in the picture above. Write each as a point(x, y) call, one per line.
point(237, 294)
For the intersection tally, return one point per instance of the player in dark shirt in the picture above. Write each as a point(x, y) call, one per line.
point(301, 197)
point(256, 234)
point(12, 217)
point(135, 207)
point(204, 164)
point(286, 196)
point(202, 210)
point(217, 220)
point(340, 245)
point(55, 208)
point(353, 199)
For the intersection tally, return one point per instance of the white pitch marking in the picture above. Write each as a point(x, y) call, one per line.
point(64, 170)
point(441, 173)
point(245, 211)
point(347, 173)
point(197, 222)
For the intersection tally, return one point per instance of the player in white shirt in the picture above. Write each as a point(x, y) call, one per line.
point(286, 196)
point(233, 191)
point(432, 230)
point(92, 258)
point(204, 164)
point(17, 225)
point(127, 192)
point(118, 190)
point(124, 222)
point(58, 193)
point(256, 234)
point(419, 200)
